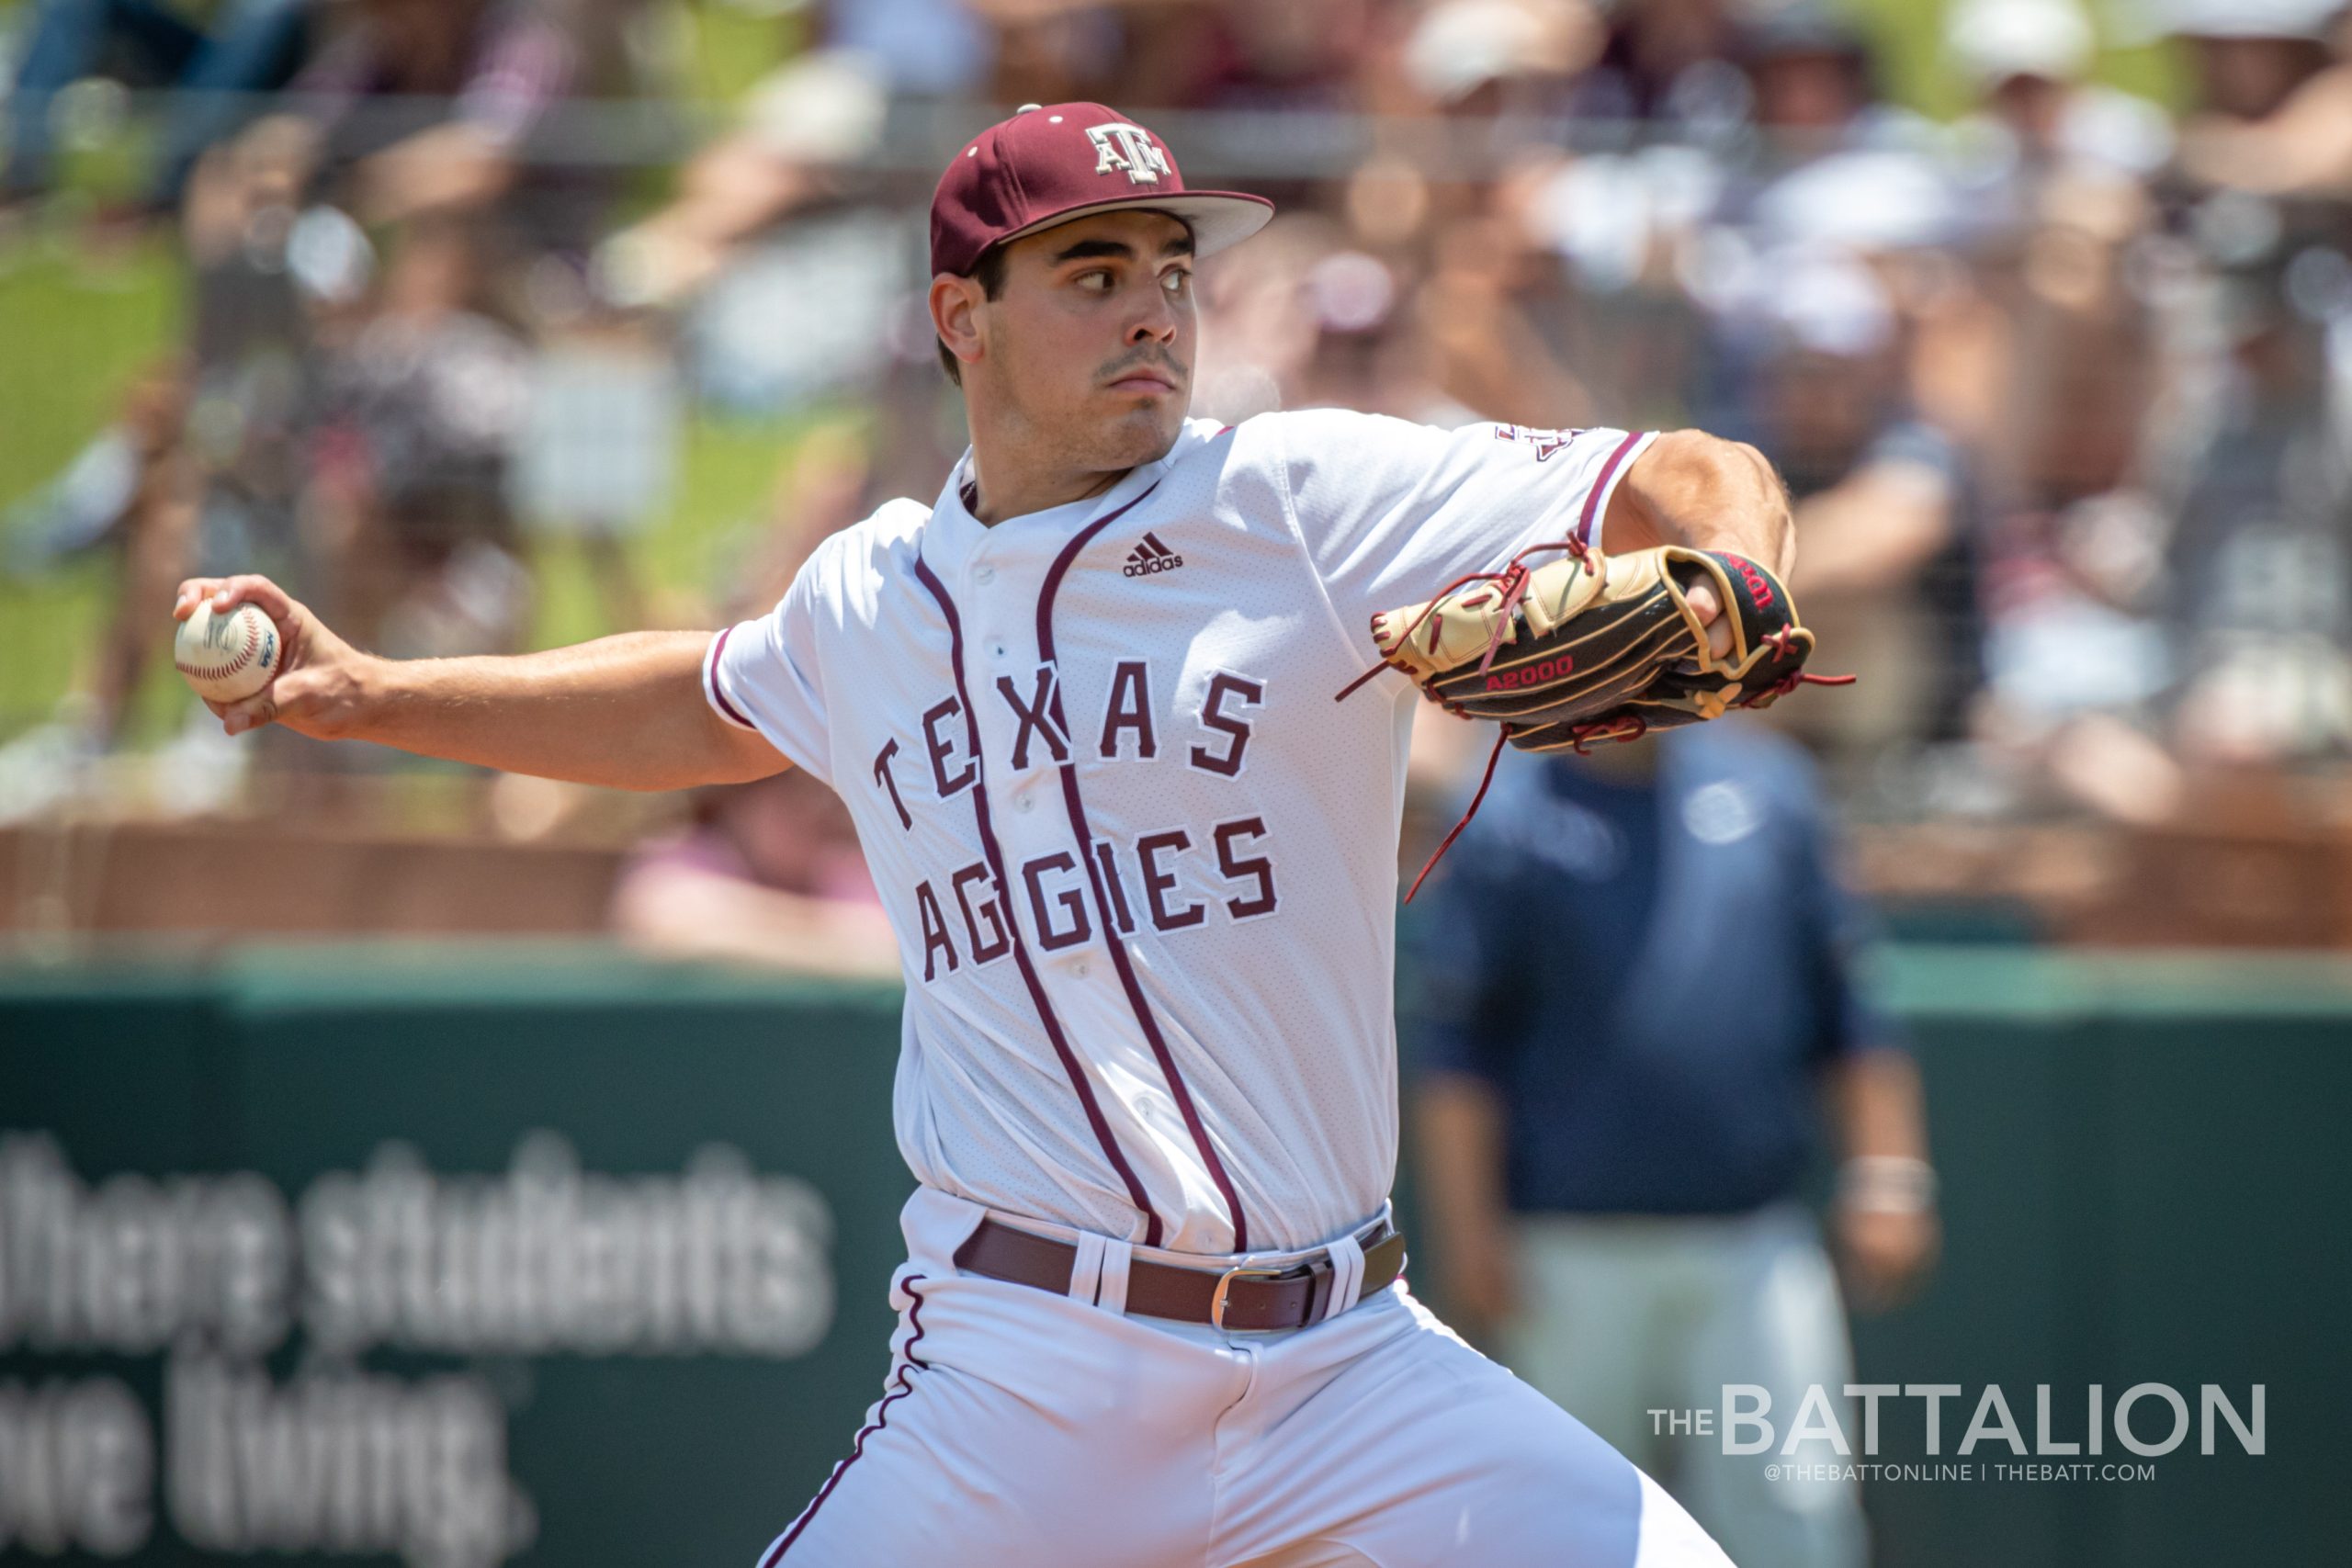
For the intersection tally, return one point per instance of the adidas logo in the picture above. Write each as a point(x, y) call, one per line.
point(1151, 556)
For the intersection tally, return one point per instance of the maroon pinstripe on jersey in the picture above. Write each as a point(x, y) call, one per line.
point(1037, 998)
point(1119, 960)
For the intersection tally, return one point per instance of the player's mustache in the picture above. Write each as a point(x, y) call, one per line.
point(1163, 363)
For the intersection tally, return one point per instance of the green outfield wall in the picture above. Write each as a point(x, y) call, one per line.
point(553, 1256)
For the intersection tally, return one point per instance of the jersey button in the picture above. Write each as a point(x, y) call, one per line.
point(985, 574)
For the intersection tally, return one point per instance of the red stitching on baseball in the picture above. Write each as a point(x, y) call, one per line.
point(253, 645)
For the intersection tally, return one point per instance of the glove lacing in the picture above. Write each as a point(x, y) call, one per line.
point(1513, 578)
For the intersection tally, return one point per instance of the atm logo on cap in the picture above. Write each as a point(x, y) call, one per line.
point(1127, 148)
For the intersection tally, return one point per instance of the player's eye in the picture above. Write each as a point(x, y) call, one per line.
point(1176, 280)
point(1094, 279)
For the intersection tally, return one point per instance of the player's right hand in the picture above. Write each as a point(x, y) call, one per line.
point(320, 685)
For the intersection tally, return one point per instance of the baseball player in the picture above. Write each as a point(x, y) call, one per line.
point(1141, 867)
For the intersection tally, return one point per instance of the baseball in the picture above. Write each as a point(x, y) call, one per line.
point(227, 655)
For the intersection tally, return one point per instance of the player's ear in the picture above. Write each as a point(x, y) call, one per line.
point(954, 315)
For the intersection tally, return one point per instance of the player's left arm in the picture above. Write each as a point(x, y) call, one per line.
point(1693, 488)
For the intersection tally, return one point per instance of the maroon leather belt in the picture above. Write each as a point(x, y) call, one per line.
point(1239, 1298)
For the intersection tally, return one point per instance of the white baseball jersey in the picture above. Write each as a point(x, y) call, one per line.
point(1141, 865)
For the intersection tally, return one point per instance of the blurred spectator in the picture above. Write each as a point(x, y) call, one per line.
point(201, 470)
point(1673, 64)
point(801, 125)
point(1883, 506)
point(1369, 351)
point(219, 77)
point(1631, 998)
point(1488, 353)
point(767, 872)
point(2250, 57)
point(2078, 662)
point(1305, 323)
point(1257, 324)
point(427, 106)
point(1243, 54)
point(2025, 61)
point(2260, 564)
point(425, 404)
point(125, 496)
point(1501, 57)
point(2276, 121)
point(930, 48)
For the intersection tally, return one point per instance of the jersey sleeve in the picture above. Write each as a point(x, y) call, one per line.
point(1392, 512)
point(764, 675)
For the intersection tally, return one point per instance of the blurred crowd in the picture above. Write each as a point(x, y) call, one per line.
point(2062, 383)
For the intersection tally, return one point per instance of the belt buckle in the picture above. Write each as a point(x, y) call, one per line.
point(1225, 1284)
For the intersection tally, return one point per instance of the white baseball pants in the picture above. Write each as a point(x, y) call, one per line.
point(1022, 1429)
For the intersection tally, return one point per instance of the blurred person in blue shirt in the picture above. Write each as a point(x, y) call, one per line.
point(1630, 1002)
point(219, 76)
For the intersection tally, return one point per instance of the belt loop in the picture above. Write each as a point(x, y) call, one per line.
point(1347, 1275)
point(1117, 1256)
point(1086, 1267)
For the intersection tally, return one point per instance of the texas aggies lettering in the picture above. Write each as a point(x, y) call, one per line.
point(1052, 884)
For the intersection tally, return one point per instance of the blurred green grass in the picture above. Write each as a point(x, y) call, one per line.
point(72, 337)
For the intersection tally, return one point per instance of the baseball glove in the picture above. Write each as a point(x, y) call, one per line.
point(1588, 647)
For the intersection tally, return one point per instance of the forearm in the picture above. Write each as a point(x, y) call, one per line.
point(1460, 1126)
point(1884, 1216)
point(1878, 1106)
point(454, 167)
point(1875, 531)
point(1691, 489)
point(627, 712)
point(2306, 146)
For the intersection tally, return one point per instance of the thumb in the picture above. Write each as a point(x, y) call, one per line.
point(312, 699)
point(287, 697)
point(249, 713)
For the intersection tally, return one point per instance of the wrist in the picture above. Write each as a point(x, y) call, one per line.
point(1886, 1184)
point(366, 697)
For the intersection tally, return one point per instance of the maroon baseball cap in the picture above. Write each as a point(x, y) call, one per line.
point(1052, 163)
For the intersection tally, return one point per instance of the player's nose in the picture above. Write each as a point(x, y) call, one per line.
point(1153, 321)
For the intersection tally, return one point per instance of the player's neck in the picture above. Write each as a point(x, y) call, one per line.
point(993, 494)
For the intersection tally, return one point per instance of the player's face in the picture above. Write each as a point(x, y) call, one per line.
point(1091, 344)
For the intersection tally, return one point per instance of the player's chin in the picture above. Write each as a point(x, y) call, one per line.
point(1144, 428)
